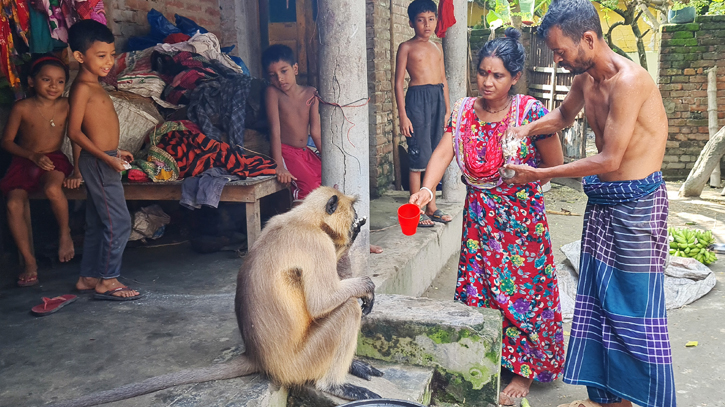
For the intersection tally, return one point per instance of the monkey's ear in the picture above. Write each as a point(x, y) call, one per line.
point(331, 205)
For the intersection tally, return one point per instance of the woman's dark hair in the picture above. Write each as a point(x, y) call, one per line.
point(508, 49)
point(573, 17)
point(38, 63)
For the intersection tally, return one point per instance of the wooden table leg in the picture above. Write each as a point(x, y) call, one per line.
point(254, 223)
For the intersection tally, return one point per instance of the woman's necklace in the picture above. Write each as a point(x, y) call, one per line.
point(508, 101)
point(52, 123)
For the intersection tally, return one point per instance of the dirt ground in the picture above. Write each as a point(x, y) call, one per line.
point(699, 371)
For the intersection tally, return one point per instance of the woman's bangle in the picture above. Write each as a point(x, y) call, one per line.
point(429, 191)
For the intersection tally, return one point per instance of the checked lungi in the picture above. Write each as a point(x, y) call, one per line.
point(619, 346)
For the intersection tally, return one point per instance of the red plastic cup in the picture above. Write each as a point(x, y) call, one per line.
point(408, 217)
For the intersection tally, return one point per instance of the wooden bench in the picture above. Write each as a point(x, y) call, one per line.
point(249, 191)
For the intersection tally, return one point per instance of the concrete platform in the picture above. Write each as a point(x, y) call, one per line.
point(409, 264)
point(186, 319)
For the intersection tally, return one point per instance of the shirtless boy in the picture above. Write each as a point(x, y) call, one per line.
point(424, 108)
point(93, 125)
point(33, 135)
point(293, 114)
point(619, 345)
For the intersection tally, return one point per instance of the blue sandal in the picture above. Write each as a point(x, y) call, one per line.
point(438, 215)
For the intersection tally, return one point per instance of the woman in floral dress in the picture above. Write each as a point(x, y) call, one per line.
point(506, 258)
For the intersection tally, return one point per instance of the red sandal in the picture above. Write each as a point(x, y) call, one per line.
point(51, 305)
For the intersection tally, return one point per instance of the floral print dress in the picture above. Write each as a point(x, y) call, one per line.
point(506, 258)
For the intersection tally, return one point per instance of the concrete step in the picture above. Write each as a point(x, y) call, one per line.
point(409, 264)
point(410, 383)
point(248, 391)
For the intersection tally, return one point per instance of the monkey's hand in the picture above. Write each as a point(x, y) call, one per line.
point(368, 299)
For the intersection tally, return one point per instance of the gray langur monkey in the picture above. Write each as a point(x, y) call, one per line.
point(296, 305)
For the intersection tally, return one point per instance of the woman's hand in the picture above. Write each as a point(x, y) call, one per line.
point(420, 198)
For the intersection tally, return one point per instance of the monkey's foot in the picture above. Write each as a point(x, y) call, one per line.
point(363, 370)
point(349, 391)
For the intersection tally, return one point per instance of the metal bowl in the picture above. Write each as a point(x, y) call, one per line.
point(383, 403)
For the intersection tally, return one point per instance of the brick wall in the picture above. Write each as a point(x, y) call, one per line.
point(380, 87)
point(687, 51)
point(127, 18)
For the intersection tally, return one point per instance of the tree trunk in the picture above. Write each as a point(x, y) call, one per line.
point(707, 161)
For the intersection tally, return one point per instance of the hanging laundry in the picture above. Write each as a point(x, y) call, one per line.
point(446, 17)
point(40, 39)
point(57, 21)
point(90, 10)
point(17, 13)
point(7, 52)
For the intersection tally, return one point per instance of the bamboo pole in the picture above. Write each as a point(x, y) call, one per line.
point(396, 129)
point(712, 118)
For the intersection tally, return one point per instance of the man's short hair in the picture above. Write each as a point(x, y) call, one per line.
point(421, 6)
point(573, 17)
point(275, 53)
point(84, 33)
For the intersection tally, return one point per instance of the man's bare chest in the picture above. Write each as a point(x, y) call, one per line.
point(596, 108)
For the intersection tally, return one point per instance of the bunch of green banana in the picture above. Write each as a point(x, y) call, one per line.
point(692, 243)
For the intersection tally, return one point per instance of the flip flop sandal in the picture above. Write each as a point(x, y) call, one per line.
point(423, 218)
point(51, 305)
point(438, 215)
point(108, 295)
point(28, 282)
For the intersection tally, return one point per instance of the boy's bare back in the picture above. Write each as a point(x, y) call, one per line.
point(35, 132)
point(293, 113)
point(99, 118)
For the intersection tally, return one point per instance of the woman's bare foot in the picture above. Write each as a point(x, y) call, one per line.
point(105, 286)
point(87, 283)
point(375, 249)
point(519, 387)
point(66, 250)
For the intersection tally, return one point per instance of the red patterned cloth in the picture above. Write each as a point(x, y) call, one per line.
point(446, 17)
point(506, 258)
point(195, 153)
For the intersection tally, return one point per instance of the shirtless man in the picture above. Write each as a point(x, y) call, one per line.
point(619, 345)
point(93, 125)
point(426, 105)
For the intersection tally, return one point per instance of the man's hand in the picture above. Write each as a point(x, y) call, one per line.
point(517, 132)
point(524, 174)
point(284, 176)
point(73, 181)
point(125, 155)
point(42, 161)
point(420, 198)
point(406, 127)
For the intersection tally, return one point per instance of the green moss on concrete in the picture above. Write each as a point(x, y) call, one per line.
point(683, 34)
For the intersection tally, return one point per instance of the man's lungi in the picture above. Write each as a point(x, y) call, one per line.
point(619, 346)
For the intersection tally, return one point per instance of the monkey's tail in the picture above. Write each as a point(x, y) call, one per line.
point(241, 366)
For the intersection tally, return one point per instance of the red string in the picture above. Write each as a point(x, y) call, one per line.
point(317, 96)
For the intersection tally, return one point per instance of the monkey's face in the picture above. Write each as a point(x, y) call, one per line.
point(338, 216)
